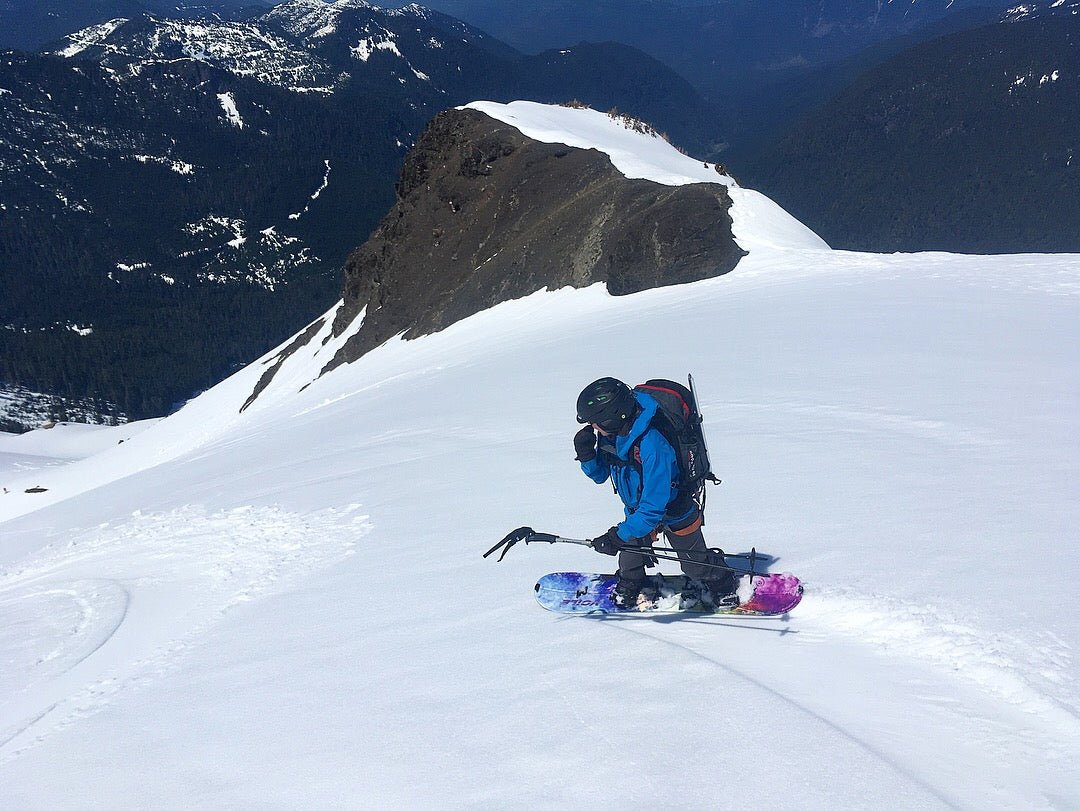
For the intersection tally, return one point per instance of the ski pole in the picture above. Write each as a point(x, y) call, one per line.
point(529, 535)
point(663, 554)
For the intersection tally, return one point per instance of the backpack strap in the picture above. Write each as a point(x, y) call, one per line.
point(607, 447)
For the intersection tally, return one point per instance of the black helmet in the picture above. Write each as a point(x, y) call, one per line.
point(607, 402)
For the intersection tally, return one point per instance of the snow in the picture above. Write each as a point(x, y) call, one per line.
point(178, 166)
point(758, 221)
point(90, 37)
point(228, 104)
point(62, 444)
point(366, 47)
point(313, 19)
point(314, 195)
point(286, 605)
point(249, 49)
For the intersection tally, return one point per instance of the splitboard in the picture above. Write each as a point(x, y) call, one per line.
point(584, 593)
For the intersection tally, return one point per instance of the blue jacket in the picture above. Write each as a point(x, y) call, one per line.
point(648, 489)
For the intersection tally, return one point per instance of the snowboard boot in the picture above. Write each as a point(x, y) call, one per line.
point(625, 594)
point(722, 588)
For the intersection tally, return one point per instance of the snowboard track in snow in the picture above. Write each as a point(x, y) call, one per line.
point(873, 751)
point(181, 569)
point(999, 664)
point(958, 658)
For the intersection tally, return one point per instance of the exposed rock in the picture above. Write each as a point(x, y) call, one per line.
point(300, 340)
point(485, 215)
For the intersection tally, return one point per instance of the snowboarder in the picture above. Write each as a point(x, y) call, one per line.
point(642, 466)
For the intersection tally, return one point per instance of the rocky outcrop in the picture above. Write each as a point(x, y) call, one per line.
point(485, 215)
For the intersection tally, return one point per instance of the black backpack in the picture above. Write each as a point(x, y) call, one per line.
point(679, 421)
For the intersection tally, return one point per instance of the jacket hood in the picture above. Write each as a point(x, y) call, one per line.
point(624, 444)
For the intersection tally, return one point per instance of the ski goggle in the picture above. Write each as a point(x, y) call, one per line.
point(609, 426)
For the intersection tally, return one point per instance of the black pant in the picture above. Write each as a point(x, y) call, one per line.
point(689, 547)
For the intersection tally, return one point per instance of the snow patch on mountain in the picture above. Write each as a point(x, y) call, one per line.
point(215, 225)
point(315, 195)
point(293, 45)
point(228, 104)
point(88, 37)
point(312, 19)
point(241, 48)
point(178, 166)
point(269, 258)
point(384, 42)
point(1033, 80)
point(1029, 11)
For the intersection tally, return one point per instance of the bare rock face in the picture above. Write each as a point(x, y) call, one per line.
point(485, 215)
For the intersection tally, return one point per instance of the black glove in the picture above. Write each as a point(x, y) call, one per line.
point(607, 544)
point(585, 444)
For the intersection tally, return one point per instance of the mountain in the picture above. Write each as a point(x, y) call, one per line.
point(287, 607)
point(155, 209)
point(30, 24)
point(188, 190)
point(760, 62)
point(966, 143)
point(486, 212)
point(21, 408)
point(706, 39)
point(486, 215)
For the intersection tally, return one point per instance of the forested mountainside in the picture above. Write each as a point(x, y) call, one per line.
point(187, 190)
point(967, 143)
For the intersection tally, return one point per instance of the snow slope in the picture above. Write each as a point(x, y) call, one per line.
point(288, 607)
point(63, 443)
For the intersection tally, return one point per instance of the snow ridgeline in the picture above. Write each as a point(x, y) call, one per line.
point(758, 221)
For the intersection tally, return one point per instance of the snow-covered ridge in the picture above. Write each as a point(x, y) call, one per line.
point(313, 19)
point(88, 37)
point(758, 221)
point(301, 45)
point(244, 49)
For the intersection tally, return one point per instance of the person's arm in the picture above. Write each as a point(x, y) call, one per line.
point(597, 469)
point(593, 463)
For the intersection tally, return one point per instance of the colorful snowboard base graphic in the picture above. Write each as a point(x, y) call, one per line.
point(583, 593)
